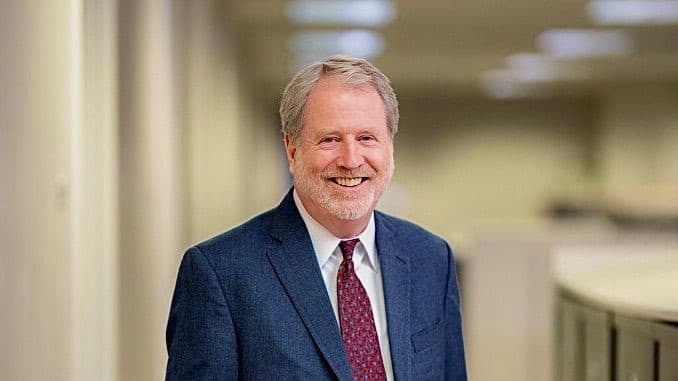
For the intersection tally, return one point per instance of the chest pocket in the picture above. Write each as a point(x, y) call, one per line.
point(429, 352)
point(427, 337)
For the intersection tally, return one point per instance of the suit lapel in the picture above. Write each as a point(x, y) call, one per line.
point(395, 273)
point(295, 263)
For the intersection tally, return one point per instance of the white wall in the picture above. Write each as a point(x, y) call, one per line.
point(58, 191)
point(638, 137)
point(153, 227)
point(95, 166)
point(462, 164)
point(213, 131)
point(233, 161)
point(190, 158)
point(37, 112)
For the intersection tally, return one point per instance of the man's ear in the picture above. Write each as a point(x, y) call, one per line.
point(291, 151)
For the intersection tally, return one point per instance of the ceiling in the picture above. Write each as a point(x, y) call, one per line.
point(443, 47)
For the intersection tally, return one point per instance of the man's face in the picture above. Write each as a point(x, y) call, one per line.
point(344, 158)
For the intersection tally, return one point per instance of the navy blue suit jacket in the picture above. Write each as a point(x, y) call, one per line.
point(251, 304)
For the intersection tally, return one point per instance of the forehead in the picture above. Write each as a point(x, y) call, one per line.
point(332, 103)
point(332, 84)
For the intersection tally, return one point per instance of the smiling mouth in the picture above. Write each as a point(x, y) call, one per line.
point(348, 181)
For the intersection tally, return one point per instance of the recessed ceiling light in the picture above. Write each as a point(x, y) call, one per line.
point(633, 12)
point(502, 84)
point(309, 46)
point(539, 67)
point(585, 43)
point(531, 67)
point(366, 13)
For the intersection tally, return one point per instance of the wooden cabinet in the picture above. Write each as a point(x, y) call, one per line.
point(667, 341)
point(585, 343)
point(597, 345)
point(635, 350)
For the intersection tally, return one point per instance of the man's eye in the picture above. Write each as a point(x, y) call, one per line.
point(366, 138)
point(329, 139)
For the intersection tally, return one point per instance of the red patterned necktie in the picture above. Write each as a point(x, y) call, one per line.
point(357, 322)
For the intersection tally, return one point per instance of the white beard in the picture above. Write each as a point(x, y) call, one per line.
point(353, 207)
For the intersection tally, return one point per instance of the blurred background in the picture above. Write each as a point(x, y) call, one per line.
point(131, 129)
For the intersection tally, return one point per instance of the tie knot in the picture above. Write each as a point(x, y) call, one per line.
point(347, 247)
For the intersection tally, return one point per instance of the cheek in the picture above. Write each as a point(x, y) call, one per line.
point(320, 160)
point(311, 163)
point(381, 160)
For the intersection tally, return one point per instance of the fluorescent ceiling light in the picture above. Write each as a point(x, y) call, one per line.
point(585, 43)
point(368, 13)
point(531, 67)
point(310, 46)
point(538, 67)
point(633, 12)
point(502, 84)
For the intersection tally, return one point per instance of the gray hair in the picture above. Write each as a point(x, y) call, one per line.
point(353, 71)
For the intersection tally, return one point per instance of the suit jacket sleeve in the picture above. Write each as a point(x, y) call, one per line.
point(455, 363)
point(201, 340)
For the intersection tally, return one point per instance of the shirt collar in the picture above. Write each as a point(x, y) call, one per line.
point(325, 243)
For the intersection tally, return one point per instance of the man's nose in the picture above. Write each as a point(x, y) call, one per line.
point(350, 156)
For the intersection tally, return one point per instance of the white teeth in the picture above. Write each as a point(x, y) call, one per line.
point(348, 181)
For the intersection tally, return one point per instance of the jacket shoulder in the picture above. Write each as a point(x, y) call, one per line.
point(408, 230)
point(246, 236)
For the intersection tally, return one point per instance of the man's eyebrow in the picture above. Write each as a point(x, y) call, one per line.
point(326, 132)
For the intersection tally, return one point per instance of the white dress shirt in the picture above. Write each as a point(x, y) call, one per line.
point(366, 264)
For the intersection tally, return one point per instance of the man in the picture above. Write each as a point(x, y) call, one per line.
point(323, 287)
